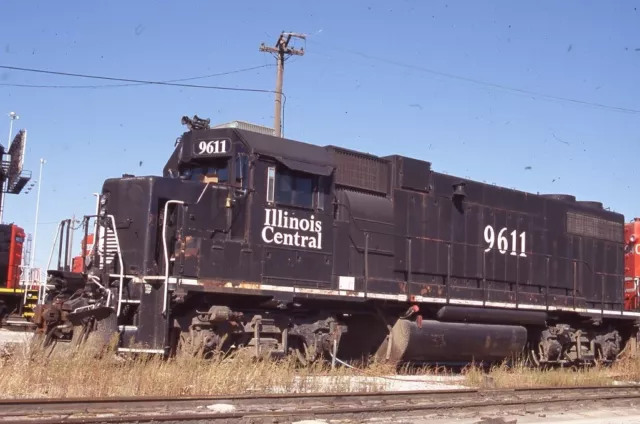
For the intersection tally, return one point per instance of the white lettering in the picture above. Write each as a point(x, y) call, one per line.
point(264, 234)
point(637, 249)
point(503, 242)
point(267, 217)
point(212, 147)
point(275, 220)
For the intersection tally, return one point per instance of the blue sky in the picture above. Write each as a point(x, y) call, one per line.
point(365, 82)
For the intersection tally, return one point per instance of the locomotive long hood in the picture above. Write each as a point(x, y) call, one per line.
point(294, 155)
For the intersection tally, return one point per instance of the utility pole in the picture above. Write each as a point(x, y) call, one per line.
point(282, 51)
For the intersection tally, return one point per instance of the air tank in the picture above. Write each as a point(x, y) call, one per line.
point(447, 342)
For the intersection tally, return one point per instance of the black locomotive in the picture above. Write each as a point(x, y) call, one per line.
point(250, 240)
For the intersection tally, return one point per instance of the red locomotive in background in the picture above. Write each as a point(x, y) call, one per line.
point(632, 266)
point(87, 246)
point(12, 239)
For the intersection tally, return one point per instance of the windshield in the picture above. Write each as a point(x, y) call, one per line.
point(215, 172)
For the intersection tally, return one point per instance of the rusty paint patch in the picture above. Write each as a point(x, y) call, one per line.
point(431, 290)
point(191, 246)
point(402, 285)
point(230, 284)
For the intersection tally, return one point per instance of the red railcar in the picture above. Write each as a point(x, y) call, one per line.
point(632, 266)
point(11, 249)
point(11, 246)
point(86, 245)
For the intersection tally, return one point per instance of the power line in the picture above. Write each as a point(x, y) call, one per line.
point(99, 77)
point(137, 84)
point(484, 83)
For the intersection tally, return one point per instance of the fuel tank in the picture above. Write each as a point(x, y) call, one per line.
point(446, 342)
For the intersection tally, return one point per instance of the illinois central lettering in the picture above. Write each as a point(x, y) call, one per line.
point(276, 220)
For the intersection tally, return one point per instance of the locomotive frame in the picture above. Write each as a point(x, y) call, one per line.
point(288, 247)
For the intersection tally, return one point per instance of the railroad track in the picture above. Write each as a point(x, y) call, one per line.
point(287, 408)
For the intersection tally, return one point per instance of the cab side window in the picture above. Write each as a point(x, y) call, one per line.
point(213, 168)
point(242, 170)
point(291, 188)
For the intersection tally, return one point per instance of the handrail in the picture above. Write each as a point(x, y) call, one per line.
point(166, 250)
point(43, 287)
point(120, 263)
point(96, 280)
point(29, 281)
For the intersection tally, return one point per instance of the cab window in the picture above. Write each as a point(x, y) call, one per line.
point(290, 188)
point(242, 170)
point(217, 168)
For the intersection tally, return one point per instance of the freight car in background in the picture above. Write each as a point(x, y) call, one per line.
point(287, 247)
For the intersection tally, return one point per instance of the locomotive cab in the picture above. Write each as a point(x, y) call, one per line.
point(235, 210)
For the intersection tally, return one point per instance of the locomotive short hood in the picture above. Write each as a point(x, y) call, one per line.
point(294, 155)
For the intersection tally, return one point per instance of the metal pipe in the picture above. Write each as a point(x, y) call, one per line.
point(66, 246)
point(166, 250)
point(35, 226)
point(70, 261)
point(42, 289)
point(85, 224)
point(64, 222)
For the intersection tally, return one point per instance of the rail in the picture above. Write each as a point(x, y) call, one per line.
point(165, 249)
point(276, 407)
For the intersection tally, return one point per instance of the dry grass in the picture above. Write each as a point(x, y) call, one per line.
point(627, 371)
point(26, 374)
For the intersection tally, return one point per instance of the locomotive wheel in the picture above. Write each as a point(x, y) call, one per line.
point(300, 351)
point(191, 344)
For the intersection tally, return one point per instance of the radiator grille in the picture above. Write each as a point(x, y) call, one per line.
point(593, 227)
point(361, 171)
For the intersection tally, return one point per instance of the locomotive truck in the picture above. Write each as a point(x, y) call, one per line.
point(284, 247)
